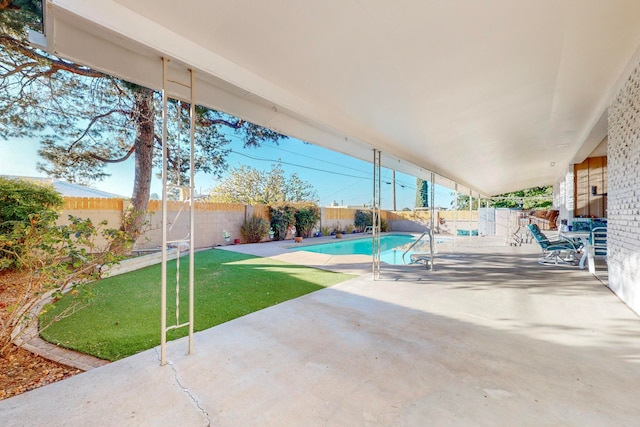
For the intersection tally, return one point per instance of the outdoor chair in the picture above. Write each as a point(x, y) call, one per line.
point(597, 247)
point(561, 251)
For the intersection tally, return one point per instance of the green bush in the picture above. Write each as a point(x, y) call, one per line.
point(282, 218)
point(307, 216)
point(24, 205)
point(43, 256)
point(363, 219)
point(255, 229)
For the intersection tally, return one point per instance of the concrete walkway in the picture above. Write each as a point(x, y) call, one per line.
point(489, 338)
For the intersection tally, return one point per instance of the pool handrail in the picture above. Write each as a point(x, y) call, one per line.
point(428, 232)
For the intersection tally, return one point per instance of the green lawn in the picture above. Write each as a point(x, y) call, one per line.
point(123, 316)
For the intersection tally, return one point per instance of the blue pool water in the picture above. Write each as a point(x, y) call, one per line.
point(392, 246)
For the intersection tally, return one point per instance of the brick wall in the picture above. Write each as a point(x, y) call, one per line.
point(623, 241)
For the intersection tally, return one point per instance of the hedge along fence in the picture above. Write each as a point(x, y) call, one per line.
point(213, 219)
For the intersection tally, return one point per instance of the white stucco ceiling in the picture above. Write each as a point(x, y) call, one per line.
point(488, 93)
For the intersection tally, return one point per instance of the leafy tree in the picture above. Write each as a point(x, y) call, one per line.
point(252, 186)
point(530, 198)
point(282, 216)
point(307, 216)
point(422, 193)
point(363, 219)
point(87, 119)
point(461, 202)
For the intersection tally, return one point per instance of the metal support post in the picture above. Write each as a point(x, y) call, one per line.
point(375, 235)
point(187, 195)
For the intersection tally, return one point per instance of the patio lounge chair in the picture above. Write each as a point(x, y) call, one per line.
point(597, 247)
point(561, 251)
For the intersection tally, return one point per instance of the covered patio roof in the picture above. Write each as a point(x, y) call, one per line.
point(496, 95)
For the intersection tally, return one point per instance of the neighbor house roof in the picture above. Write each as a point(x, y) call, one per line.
point(68, 189)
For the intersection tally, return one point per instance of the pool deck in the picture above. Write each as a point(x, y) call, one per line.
point(488, 338)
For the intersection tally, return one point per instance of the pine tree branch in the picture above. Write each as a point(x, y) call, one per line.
point(90, 125)
point(131, 150)
point(214, 122)
point(55, 64)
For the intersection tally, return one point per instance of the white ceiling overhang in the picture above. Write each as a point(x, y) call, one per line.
point(489, 93)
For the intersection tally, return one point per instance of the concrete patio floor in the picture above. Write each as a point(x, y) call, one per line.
point(489, 338)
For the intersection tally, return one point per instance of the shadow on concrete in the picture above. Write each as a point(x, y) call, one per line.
point(484, 340)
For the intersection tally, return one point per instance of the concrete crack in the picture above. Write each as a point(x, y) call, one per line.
point(186, 390)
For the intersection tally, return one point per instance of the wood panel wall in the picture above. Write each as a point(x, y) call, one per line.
point(590, 173)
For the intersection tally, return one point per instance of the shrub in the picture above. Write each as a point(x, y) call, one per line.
point(40, 257)
point(326, 231)
point(282, 218)
point(53, 259)
point(255, 229)
point(363, 219)
point(307, 216)
point(349, 228)
point(24, 204)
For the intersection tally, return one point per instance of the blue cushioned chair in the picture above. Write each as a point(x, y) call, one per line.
point(598, 246)
point(561, 251)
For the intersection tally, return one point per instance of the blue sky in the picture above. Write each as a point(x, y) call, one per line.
point(336, 177)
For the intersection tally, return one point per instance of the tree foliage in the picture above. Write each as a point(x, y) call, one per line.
point(283, 218)
point(23, 206)
point(37, 256)
point(363, 219)
point(530, 198)
point(307, 216)
point(422, 193)
point(252, 186)
point(86, 119)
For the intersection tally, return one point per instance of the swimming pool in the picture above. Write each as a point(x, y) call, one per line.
point(392, 246)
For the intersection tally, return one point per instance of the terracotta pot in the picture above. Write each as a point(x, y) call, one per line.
point(298, 239)
point(338, 235)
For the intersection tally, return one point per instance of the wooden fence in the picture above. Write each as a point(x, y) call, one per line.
point(213, 220)
point(92, 203)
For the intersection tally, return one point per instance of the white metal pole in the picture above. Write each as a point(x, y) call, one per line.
point(470, 214)
point(433, 210)
point(455, 214)
point(163, 281)
point(192, 191)
point(374, 216)
point(393, 186)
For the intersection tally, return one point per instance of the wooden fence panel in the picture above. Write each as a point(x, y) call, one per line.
point(92, 203)
point(261, 211)
point(340, 214)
